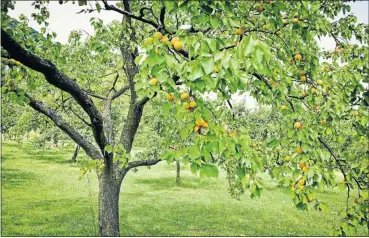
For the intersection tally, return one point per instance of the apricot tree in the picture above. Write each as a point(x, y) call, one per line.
point(210, 50)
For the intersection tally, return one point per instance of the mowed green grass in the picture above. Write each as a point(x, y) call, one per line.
point(42, 196)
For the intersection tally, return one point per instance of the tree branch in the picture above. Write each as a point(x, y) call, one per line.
point(162, 17)
point(59, 80)
point(90, 149)
point(79, 117)
point(129, 14)
point(94, 95)
point(134, 164)
point(120, 92)
point(340, 167)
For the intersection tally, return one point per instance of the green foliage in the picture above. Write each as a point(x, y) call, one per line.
point(276, 59)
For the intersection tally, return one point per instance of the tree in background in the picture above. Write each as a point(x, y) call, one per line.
point(196, 55)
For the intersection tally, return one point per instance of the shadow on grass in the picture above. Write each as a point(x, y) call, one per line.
point(55, 217)
point(14, 177)
point(165, 183)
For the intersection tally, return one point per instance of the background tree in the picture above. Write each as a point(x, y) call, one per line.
point(210, 50)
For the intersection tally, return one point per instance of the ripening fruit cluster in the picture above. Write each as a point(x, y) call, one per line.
point(153, 81)
point(84, 171)
point(175, 41)
point(102, 165)
point(239, 31)
point(301, 184)
point(171, 97)
point(12, 62)
point(298, 125)
point(200, 124)
point(296, 19)
point(298, 57)
point(189, 105)
point(355, 113)
point(304, 167)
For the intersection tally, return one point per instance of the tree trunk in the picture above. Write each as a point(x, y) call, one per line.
point(178, 178)
point(109, 189)
point(74, 157)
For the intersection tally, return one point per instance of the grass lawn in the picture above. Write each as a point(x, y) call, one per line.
point(42, 196)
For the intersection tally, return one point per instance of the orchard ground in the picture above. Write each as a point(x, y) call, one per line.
point(40, 200)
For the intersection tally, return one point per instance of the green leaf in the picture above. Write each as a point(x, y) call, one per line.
point(109, 148)
point(166, 107)
point(200, 84)
point(193, 167)
point(194, 152)
point(184, 133)
point(12, 96)
point(273, 143)
point(214, 22)
point(212, 171)
point(195, 72)
point(170, 61)
point(234, 21)
point(98, 7)
point(328, 131)
point(208, 65)
point(241, 173)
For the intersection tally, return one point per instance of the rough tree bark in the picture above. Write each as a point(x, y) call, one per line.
point(178, 177)
point(109, 189)
point(75, 154)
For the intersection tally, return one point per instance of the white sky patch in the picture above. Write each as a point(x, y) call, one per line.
point(63, 19)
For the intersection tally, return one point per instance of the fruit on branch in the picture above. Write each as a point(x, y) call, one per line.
point(149, 40)
point(174, 39)
point(239, 31)
point(186, 105)
point(193, 104)
point(177, 45)
point(260, 8)
point(319, 82)
point(185, 96)
point(170, 97)
point(158, 35)
point(303, 78)
point(301, 182)
point(299, 150)
point(153, 82)
point(298, 57)
point(298, 125)
point(283, 107)
point(302, 165)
